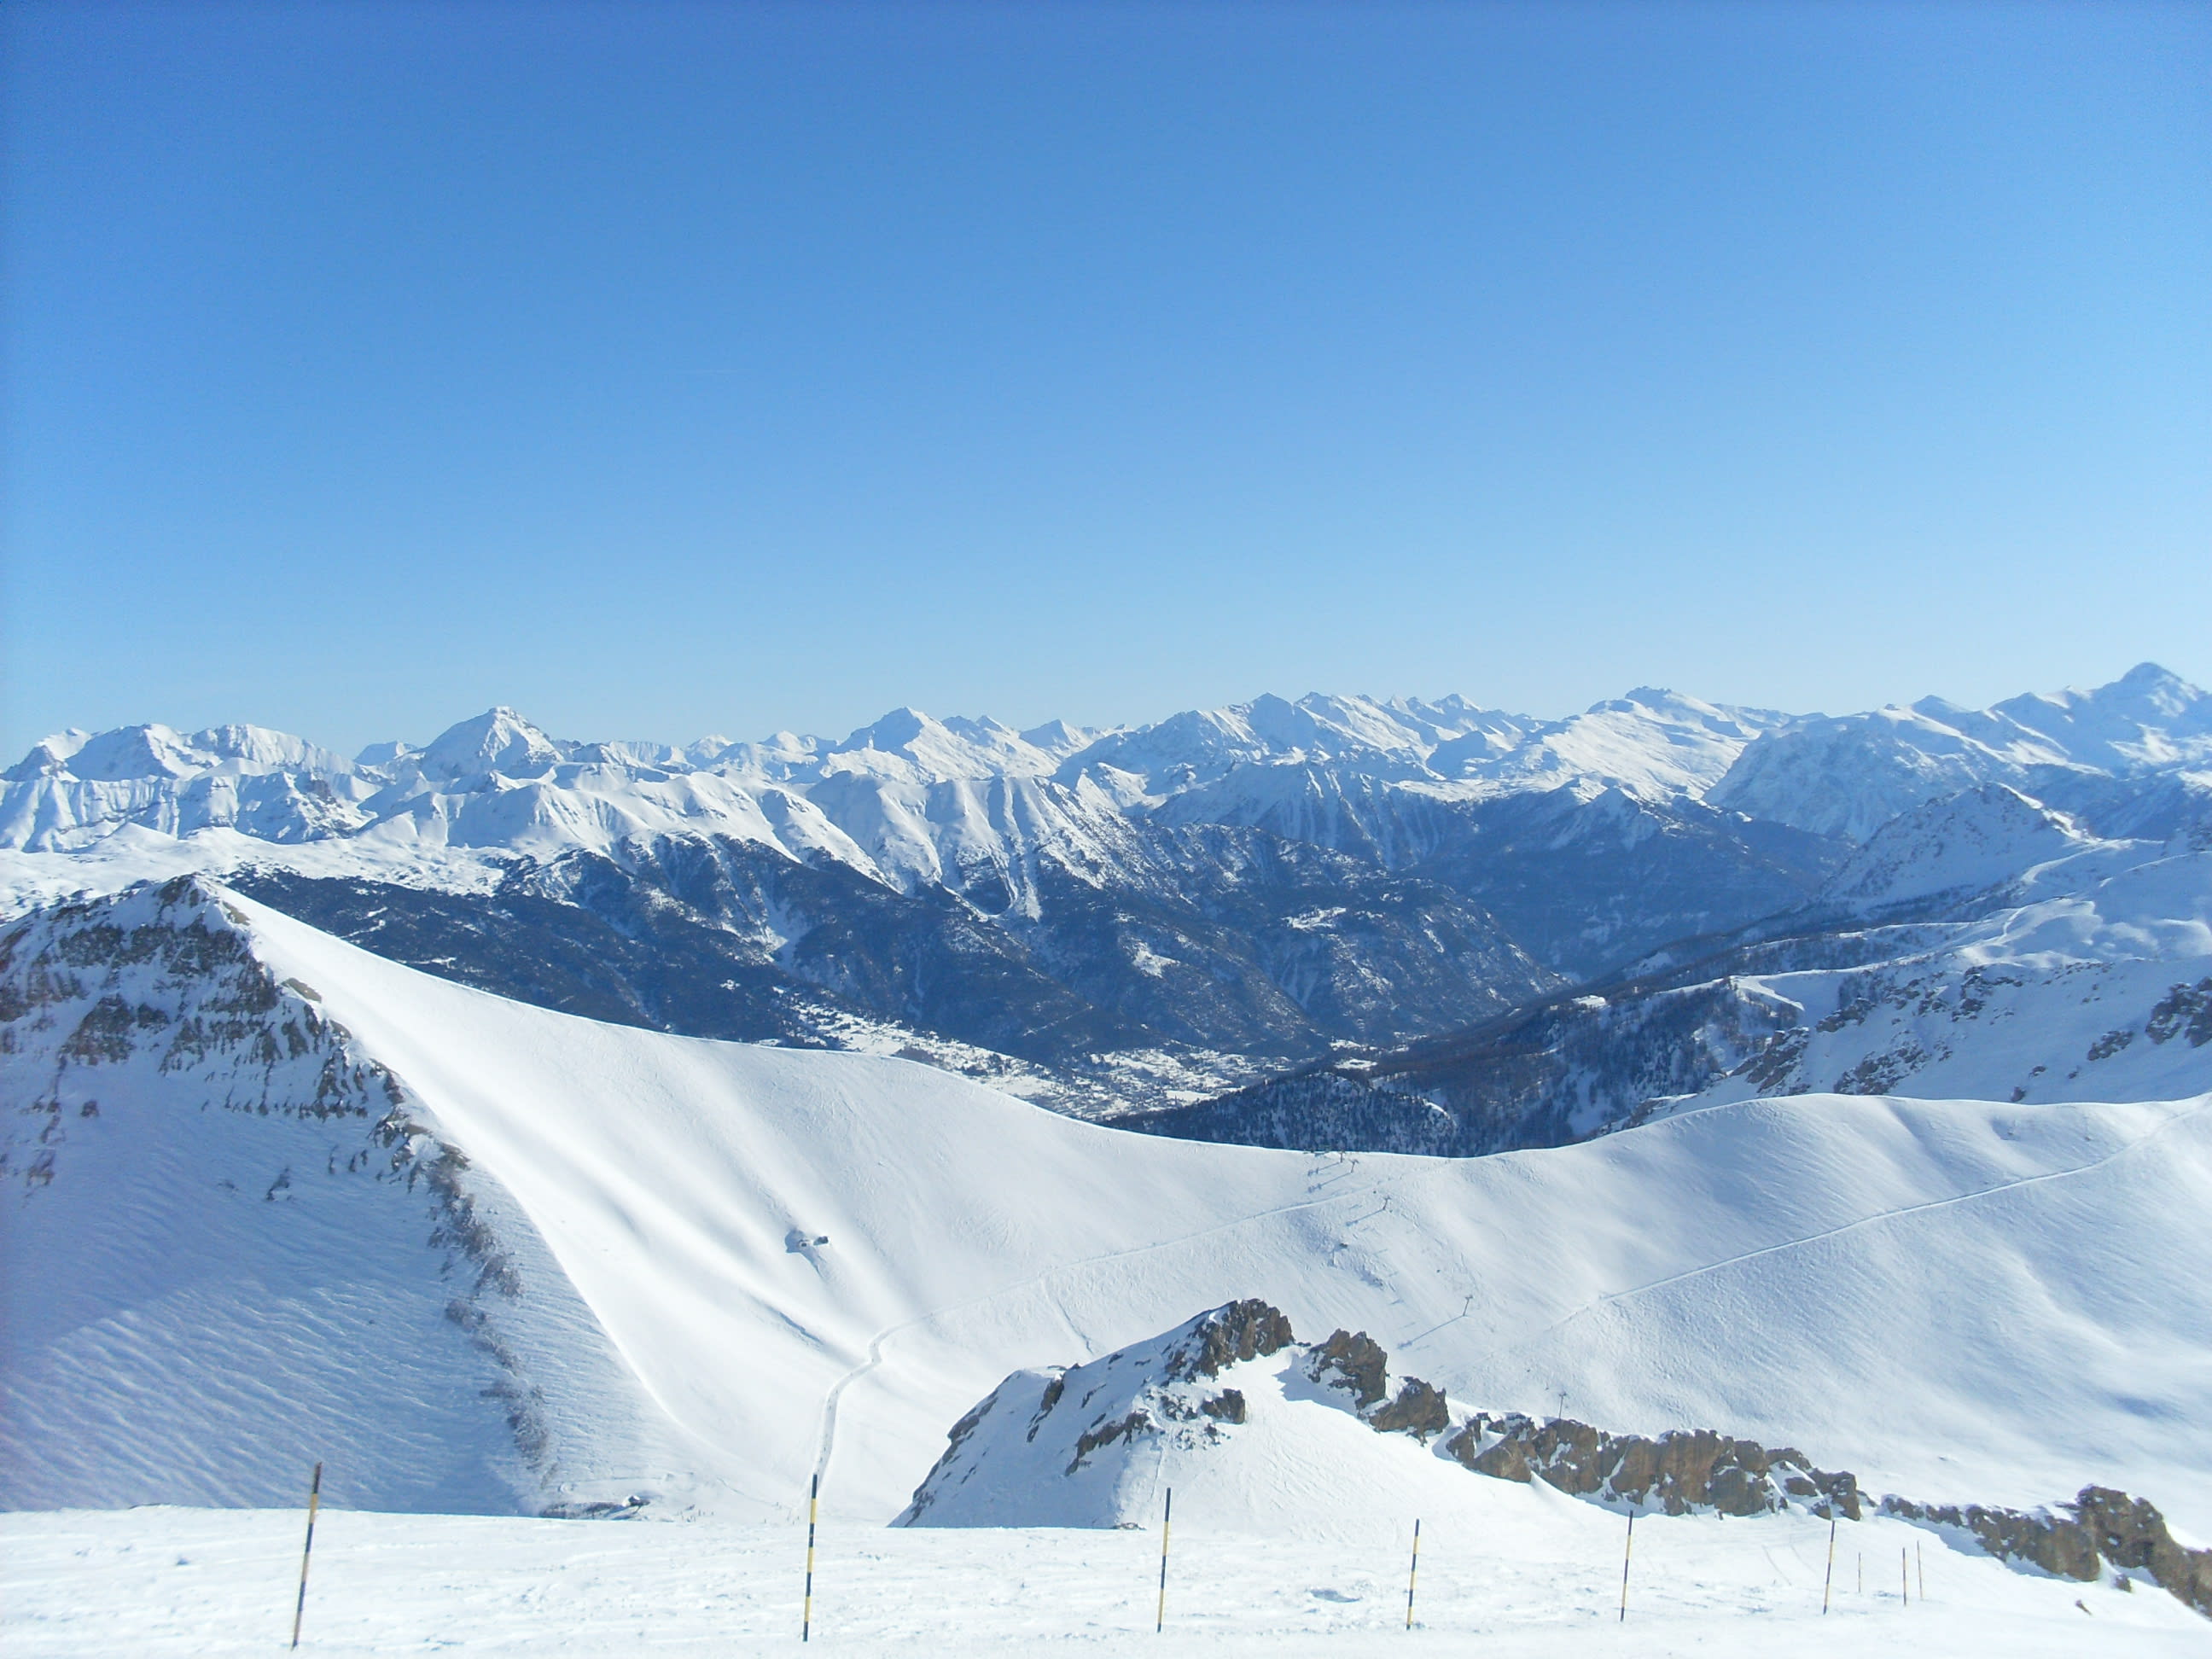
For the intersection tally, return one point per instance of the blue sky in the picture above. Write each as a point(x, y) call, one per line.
point(668, 369)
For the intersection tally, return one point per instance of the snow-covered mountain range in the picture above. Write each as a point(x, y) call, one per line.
point(1981, 945)
point(1142, 917)
point(269, 1198)
point(372, 1113)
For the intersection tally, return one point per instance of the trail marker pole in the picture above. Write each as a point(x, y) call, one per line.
point(1627, 1550)
point(1413, 1574)
point(1828, 1584)
point(1862, 1572)
point(1920, 1568)
point(806, 1607)
point(1903, 1579)
point(314, 1502)
point(1167, 1524)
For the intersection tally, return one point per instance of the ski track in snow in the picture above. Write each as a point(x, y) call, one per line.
point(1868, 1221)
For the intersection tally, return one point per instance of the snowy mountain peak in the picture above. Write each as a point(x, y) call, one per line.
point(1059, 740)
point(156, 752)
point(499, 740)
point(1223, 1408)
point(2148, 717)
point(1850, 775)
point(907, 747)
point(50, 757)
point(893, 732)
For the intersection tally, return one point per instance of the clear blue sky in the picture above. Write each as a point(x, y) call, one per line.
point(667, 369)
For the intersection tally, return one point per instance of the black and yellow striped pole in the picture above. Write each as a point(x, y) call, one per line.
point(1627, 1550)
point(1167, 1524)
point(806, 1607)
point(1829, 1582)
point(1413, 1574)
point(314, 1502)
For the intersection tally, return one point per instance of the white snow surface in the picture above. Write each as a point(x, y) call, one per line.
point(1517, 1571)
point(1097, 1444)
point(1966, 843)
point(911, 798)
point(1957, 1300)
point(2082, 990)
point(1850, 775)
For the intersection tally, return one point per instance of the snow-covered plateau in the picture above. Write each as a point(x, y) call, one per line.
point(382, 1114)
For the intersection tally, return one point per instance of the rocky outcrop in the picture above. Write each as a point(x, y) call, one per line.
point(1235, 1331)
point(1356, 1364)
point(1078, 1446)
point(1057, 1448)
point(2183, 1012)
point(2100, 1529)
point(1689, 1471)
point(1681, 1471)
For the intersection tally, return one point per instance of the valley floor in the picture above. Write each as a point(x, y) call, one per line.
point(177, 1581)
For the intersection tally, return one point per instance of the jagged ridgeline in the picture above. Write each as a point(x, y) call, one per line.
point(1413, 901)
point(1236, 1414)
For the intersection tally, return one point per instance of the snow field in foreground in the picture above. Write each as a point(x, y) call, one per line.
point(174, 1580)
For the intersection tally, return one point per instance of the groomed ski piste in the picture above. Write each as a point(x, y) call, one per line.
point(717, 1272)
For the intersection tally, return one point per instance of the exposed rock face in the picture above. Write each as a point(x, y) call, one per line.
point(146, 1047)
point(1419, 1410)
point(1696, 1469)
point(1086, 1445)
point(1683, 1470)
point(1056, 1448)
point(2185, 1010)
point(1238, 1331)
point(1355, 1361)
point(2105, 1529)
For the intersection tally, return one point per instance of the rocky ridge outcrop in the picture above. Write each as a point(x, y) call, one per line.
point(2100, 1531)
point(1167, 1392)
point(1680, 1472)
point(1056, 1447)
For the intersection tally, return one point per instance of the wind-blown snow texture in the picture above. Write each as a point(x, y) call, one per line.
point(697, 1272)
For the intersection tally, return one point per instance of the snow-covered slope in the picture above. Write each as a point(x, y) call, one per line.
point(2100, 991)
point(1958, 847)
point(1256, 1430)
point(1525, 1573)
point(1787, 1270)
point(1850, 776)
point(235, 1245)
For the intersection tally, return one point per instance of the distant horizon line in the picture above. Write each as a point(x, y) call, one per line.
point(2145, 669)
